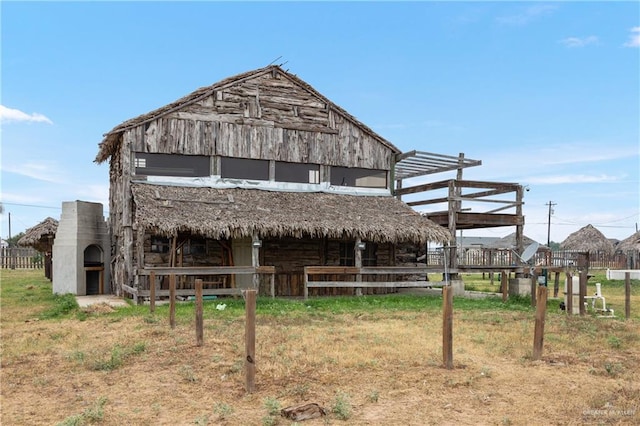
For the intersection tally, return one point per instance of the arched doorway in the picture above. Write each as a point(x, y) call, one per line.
point(94, 270)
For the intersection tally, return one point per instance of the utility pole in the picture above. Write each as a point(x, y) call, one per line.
point(550, 204)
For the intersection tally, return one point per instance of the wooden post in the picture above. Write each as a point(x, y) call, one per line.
point(582, 292)
point(505, 286)
point(172, 300)
point(569, 294)
point(152, 292)
point(250, 339)
point(255, 260)
point(306, 283)
point(199, 316)
point(556, 284)
point(627, 295)
point(447, 327)
point(534, 284)
point(541, 310)
point(272, 285)
point(357, 260)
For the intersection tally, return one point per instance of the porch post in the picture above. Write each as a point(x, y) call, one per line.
point(255, 259)
point(358, 263)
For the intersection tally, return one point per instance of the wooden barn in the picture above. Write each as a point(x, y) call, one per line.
point(248, 182)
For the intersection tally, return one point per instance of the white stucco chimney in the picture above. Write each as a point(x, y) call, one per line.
point(81, 250)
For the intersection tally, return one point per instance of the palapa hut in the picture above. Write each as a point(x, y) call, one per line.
point(40, 237)
point(630, 243)
point(588, 239)
point(257, 169)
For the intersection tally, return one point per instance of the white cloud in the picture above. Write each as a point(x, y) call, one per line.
point(579, 42)
point(45, 171)
point(21, 198)
point(529, 14)
point(13, 115)
point(573, 179)
point(634, 38)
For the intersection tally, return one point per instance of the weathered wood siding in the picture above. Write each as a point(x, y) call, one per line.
point(264, 118)
point(290, 256)
point(268, 116)
point(116, 207)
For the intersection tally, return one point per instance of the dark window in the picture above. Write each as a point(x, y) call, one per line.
point(243, 168)
point(351, 176)
point(369, 255)
point(297, 172)
point(171, 165)
point(347, 254)
point(159, 245)
point(195, 246)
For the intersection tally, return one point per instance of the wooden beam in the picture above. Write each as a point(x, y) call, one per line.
point(541, 310)
point(199, 314)
point(447, 327)
point(250, 339)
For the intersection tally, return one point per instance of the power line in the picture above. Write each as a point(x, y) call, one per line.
point(32, 205)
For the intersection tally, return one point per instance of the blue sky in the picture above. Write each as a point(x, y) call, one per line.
point(545, 94)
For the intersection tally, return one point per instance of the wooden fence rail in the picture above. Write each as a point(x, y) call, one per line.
point(20, 258)
point(403, 277)
point(470, 257)
point(152, 273)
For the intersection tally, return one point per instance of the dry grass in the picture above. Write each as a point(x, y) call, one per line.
point(365, 366)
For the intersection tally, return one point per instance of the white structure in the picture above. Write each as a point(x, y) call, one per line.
point(619, 274)
point(81, 250)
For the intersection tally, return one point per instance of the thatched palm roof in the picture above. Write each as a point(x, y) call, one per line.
point(110, 141)
point(234, 213)
point(630, 243)
point(41, 235)
point(587, 239)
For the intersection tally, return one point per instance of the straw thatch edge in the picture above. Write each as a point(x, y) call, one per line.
point(236, 213)
point(41, 235)
point(587, 239)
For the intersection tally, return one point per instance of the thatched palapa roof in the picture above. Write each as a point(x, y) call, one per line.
point(630, 243)
point(110, 141)
point(234, 213)
point(40, 236)
point(587, 239)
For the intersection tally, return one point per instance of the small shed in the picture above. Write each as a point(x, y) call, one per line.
point(40, 237)
point(588, 239)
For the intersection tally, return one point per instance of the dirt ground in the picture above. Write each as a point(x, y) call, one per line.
point(382, 368)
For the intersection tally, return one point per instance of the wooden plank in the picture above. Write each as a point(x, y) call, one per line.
point(627, 295)
point(152, 292)
point(447, 327)
point(504, 282)
point(199, 314)
point(190, 292)
point(541, 310)
point(250, 340)
point(172, 301)
point(318, 270)
point(373, 284)
point(205, 270)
